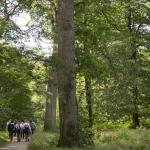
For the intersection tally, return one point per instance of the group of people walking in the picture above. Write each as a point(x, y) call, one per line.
point(21, 129)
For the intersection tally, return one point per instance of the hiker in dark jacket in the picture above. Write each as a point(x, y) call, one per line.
point(15, 132)
point(10, 128)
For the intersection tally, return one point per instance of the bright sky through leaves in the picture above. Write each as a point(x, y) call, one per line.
point(22, 21)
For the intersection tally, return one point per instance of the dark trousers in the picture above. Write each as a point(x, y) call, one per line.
point(18, 135)
point(32, 130)
point(27, 133)
point(15, 132)
point(11, 135)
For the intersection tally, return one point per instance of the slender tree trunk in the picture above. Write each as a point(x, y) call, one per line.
point(135, 115)
point(89, 100)
point(135, 120)
point(135, 91)
point(50, 110)
point(70, 134)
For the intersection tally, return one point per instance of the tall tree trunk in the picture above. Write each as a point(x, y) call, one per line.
point(89, 100)
point(135, 91)
point(50, 110)
point(70, 134)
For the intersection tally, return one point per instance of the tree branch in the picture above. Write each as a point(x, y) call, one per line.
point(109, 21)
point(11, 12)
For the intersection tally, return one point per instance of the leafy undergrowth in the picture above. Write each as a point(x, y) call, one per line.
point(107, 140)
point(3, 138)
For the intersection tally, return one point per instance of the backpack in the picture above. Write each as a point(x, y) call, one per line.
point(11, 127)
point(17, 127)
point(33, 125)
point(26, 127)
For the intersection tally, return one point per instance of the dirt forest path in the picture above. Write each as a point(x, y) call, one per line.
point(16, 145)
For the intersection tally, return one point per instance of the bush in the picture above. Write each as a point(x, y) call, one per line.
point(87, 135)
point(43, 141)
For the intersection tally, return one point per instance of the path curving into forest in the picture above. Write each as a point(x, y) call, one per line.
point(16, 145)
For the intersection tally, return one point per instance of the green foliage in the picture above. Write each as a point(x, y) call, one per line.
point(124, 139)
point(3, 25)
point(87, 135)
point(105, 140)
point(15, 95)
point(103, 45)
point(3, 138)
point(42, 141)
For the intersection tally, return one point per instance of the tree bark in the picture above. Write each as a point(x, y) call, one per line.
point(89, 100)
point(51, 101)
point(50, 109)
point(135, 115)
point(135, 120)
point(70, 134)
point(134, 74)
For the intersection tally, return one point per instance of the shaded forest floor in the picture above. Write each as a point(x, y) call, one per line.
point(5, 145)
point(15, 146)
point(105, 140)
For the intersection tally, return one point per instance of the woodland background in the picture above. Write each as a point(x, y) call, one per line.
point(112, 64)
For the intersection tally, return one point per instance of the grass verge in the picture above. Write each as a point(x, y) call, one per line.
point(3, 138)
point(107, 140)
